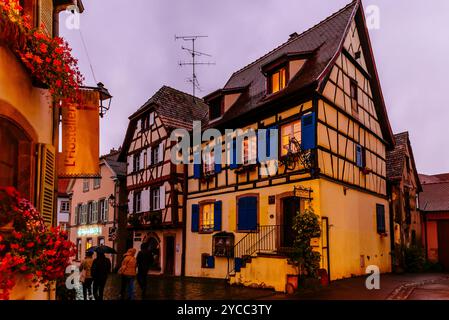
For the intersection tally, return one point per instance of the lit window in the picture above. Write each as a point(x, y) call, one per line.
point(89, 244)
point(289, 131)
point(209, 163)
point(155, 199)
point(207, 217)
point(278, 80)
point(101, 242)
point(250, 150)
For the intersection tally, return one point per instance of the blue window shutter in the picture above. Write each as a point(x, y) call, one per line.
point(380, 217)
point(247, 214)
point(234, 154)
point(359, 155)
point(210, 262)
point(217, 215)
point(308, 124)
point(195, 217)
point(197, 170)
point(217, 167)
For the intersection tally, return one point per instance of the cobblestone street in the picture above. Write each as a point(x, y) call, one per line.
point(393, 287)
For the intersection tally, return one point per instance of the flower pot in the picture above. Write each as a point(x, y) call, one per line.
point(292, 283)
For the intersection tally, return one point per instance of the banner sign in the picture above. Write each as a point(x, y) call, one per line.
point(80, 138)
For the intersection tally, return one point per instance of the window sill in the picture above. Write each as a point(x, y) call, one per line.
point(206, 232)
point(246, 168)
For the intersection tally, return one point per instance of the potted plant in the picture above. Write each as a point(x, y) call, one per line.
point(307, 261)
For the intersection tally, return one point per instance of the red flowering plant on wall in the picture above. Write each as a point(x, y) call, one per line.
point(48, 59)
point(30, 249)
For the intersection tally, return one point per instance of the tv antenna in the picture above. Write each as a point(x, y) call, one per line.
point(193, 63)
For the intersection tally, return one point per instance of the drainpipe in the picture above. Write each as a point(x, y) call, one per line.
point(392, 244)
point(184, 221)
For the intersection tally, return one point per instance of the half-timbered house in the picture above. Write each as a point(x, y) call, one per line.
point(155, 185)
point(321, 91)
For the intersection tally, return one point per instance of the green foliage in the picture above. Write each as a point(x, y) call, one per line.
point(306, 226)
point(414, 259)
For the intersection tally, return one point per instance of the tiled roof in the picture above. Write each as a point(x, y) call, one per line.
point(435, 197)
point(323, 40)
point(396, 157)
point(322, 43)
point(62, 187)
point(117, 166)
point(177, 109)
point(426, 179)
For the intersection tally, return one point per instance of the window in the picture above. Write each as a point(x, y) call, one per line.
point(380, 218)
point(89, 243)
point(86, 185)
point(78, 249)
point(101, 242)
point(97, 183)
point(354, 97)
point(250, 150)
point(137, 201)
point(136, 162)
point(65, 206)
point(90, 212)
point(207, 217)
point(155, 155)
point(277, 80)
point(215, 108)
point(209, 163)
point(360, 156)
point(103, 210)
point(247, 211)
point(288, 131)
point(83, 214)
point(155, 199)
point(151, 119)
point(78, 213)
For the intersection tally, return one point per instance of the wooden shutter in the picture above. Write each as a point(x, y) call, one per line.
point(149, 156)
point(234, 164)
point(195, 218)
point(46, 16)
point(197, 170)
point(77, 214)
point(130, 164)
point(217, 215)
point(247, 214)
point(141, 160)
point(106, 210)
point(359, 155)
point(46, 173)
point(271, 137)
point(131, 202)
point(162, 197)
point(380, 217)
point(145, 200)
point(161, 152)
point(95, 211)
point(308, 132)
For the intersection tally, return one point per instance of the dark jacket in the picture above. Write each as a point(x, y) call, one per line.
point(101, 267)
point(144, 261)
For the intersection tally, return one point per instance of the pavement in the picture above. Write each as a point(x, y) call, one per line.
point(424, 286)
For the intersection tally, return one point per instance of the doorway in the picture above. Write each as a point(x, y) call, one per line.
point(290, 207)
point(443, 243)
point(169, 256)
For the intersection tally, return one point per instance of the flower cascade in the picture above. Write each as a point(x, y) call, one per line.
point(32, 250)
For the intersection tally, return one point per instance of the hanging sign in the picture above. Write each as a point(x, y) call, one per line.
point(80, 138)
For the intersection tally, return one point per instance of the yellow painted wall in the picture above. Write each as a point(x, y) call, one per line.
point(352, 232)
point(17, 90)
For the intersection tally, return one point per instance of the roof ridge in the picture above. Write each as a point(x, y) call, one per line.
point(295, 38)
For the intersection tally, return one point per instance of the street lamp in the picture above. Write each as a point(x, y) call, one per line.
point(104, 95)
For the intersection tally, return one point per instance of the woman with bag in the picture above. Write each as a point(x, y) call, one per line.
point(86, 275)
point(128, 273)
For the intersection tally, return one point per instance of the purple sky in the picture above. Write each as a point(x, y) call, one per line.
point(133, 52)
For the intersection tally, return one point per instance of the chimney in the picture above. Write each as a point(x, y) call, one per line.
point(293, 35)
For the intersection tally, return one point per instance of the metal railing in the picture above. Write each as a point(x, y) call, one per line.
point(263, 240)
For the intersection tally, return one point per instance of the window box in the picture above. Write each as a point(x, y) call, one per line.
point(366, 171)
point(135, 220)
point(154, 218)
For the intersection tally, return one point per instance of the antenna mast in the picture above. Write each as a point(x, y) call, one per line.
point(193, 63)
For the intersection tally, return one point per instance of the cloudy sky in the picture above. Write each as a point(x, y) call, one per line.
point(133, 51)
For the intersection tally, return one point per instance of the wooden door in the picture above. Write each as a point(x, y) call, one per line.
point(291, 206)
point(443, 243)
point(169, 255)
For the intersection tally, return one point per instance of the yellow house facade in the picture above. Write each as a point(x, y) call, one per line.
point(320, 92)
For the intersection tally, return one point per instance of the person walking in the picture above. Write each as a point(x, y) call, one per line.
point(128, 273)
point(86, 275)
point(101, 267)
point(144, 260)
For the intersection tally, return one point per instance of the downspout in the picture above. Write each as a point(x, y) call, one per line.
point(184, 221)
point(392, 245)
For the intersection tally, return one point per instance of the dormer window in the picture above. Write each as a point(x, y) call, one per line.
point(215, 108)
point(277, 80)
